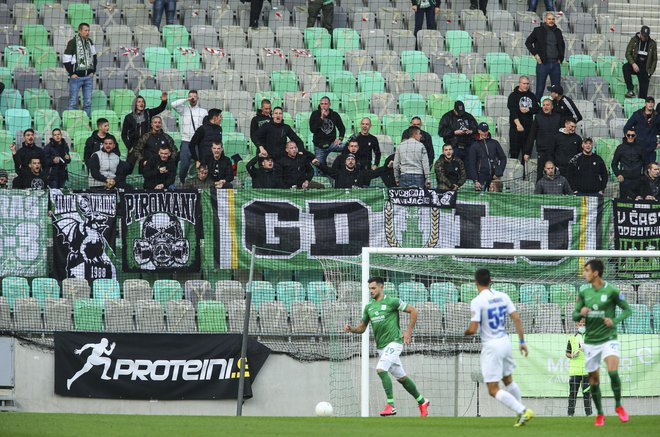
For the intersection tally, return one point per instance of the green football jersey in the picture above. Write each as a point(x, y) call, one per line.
point(603, 303)
point(384, 317)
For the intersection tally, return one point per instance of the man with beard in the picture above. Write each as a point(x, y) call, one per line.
point(271, 138)
point(627, 165)
point(324, 123)
point(150, 143)
point(29, 150)
point(542, 133)
point(546, 44)
point(95, 140)
point(522, 106)
point(649, 188)
point(106, 169)
point(160, 170)
point(449, 170)
point(587, 172)
point(31, 177)
point(57, 156)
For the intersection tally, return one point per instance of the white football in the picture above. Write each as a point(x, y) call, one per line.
point(323, 409)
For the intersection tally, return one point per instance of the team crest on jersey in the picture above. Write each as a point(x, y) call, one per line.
point(595, 307)
point(603, 298)
point(376, 313)
point(383, 307)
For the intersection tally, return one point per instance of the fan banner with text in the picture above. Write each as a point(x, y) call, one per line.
point(637, 227)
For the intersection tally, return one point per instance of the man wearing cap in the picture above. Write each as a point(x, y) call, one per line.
point(266, 175)
point(564, 105)
point(457, 128)
point(646, 124)
point(542, 134)
point(546, 44)
point(350, 175)
point(411, 164)
point(486, 161)
point(642, 57)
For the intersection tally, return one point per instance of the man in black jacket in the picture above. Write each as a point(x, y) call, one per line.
point(522, 106)
point(266, 175)
point(564, 105)
point(542, 133)
point(458, 128)
point(587, 172)
point(160, 171)
point(486, 161)
point(296, 168)
point(221, 170)
point(95, 141)
point(31, 177)
point(426, 140)
point(150, 143)
point(29, 150)
point(566, 145)
point(138, 122)
point(368, 145)
point(271, 138)
point(324, 124)
point(628, 164)
point(350, 175)
point(649, 188)
point(646, 124)
point(208, 133)
point(263, 116)
point(546, 44)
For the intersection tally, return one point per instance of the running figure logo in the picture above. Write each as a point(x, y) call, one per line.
point(96, 358)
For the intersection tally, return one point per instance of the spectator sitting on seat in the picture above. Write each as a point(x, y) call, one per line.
point(350, 175)
point(31, 177)
point(201, 181)
point(138, 122)
point(426, 140)
point(262, 117)
point(368, 145)
point(327, 7)
point(160, 171)
point(564, 105)
point(4, 179)
point(449, 170)
point(411, 164)
point(646, 123)
point(587, 172)
point(208, 133)
point(105, 167)
point(522, 106)
point(266, 175)
point(457, 128)
point(271, 138)
point(649, 187)
point(296, 168)
point(150, 143)
point(551, 182)
point(546, 44)
point(29, 150)
point(192, 116)
point(324, 124)
point(221, 170)
point(95, 141)
point(487, 160)
point(628, 164)
point(642, 57)
point(425, 8)
point(566, 145)
point(542, 133)
point(79, 59)
point(57, 156)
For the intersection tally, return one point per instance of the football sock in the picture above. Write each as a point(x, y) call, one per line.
point(514, 390)
point(411, 388)
point(510, 401)
point(595, 395)
point(616, 386)
point(387, 385)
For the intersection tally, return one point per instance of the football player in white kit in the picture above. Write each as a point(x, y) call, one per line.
point(489, 312)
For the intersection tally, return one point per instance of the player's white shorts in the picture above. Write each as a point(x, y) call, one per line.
point(595, 353)
point(496, 359)
point(390, 359)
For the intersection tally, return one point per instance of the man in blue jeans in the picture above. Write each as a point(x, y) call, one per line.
point(546, 44)
point(169, 6)
point(324, 124)
point(80, 62)
point(533, 3)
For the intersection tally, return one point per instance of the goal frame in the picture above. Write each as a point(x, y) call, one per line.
point(365, 268)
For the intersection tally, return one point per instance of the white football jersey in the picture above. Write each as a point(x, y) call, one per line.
point(490, 309)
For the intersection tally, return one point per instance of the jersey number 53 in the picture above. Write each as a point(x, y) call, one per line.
point(497, 318)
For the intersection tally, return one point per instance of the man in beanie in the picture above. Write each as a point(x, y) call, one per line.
point(642, 57)
point(457, 128)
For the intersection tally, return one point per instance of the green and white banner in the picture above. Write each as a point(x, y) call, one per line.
point(24, 232)
point(637, 227)
point(544, 372)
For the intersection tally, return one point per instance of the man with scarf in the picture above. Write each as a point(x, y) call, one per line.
point(79, 59)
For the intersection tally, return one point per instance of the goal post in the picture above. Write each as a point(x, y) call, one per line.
point(546, 268)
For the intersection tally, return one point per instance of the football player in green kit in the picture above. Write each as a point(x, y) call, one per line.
point(383, 313)
point(597, 302)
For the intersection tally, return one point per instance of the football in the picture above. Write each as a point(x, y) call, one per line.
point(323, 409)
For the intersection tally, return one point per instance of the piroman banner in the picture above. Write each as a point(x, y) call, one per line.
point(161, 231)
point(84, 226)
point(637, 227)
point(24, 226)
point(154, 366)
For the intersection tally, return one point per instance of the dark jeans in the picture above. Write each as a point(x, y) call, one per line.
point(533, 3)
point(642, 77)
point(412, 180)
point(479, 4)
point(255, 12)
point(574, 383)
point(553, 70)
point(169, 6)
point(316, 6)
point(649, 157)
point(629, 188)
point(429, 13)
point(517, 140)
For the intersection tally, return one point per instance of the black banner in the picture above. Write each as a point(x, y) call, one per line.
point(637, 227)
point(84, 234)
point(154, 366)
point(422, 197)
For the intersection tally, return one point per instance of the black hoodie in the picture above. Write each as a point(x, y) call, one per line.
point(132, 131)
point(264, 177)
point(205, 135)
point(256, 122)
point(587, 173)
point(274, 136)
point(628, 160)
point(518, 99)
point(564, 148)
point(543, 131)
point(325, 130)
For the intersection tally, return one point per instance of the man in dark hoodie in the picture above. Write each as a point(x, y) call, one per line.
point(642, 57)
point(426, 139)
point(551, 182)
point(458, 128)
point(542, 133)
point(646, 124)
point(95, 141)
point(564, 105)
point(57, 156)
point(368, 145)
point(221, 171)
point(649, 188)
point(263, 116)
point(350, 175)
point(271, 138)
point(628, 164)
point(566, 145)
point(208, 133)
point(487, 160)
point(138, 122)
point(296, 168)
point(266, 175)
point(522, 106)
point(587, 172)
point(160, 170)
point(352, 147)
point(150, 143)
point(324, 124)
point(546, 44)
point(31, 177)
point(449, 170)
point(29, 150)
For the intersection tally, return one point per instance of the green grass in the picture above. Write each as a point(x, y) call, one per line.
point(43, 425)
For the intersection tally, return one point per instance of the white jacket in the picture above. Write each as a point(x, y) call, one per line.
point(198, 114)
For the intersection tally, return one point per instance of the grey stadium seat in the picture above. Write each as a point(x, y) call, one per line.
point(27, 314)
point(430, 41)
point(427, 84)
point(75, 288)
point(334, 315)
point(119, 316)
point(137, 289)
point(57, 314)
point(295, 102)
point(236, 311)
point(429, 320)
point(288, 37)
point(198, 79)
point(149, 316)
point(256, 81)
point(304, 318)
point(203, 36)
point(456, 313)
point(228, 291)
point(180, 316)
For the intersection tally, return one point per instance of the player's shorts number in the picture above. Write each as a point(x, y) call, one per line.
point(389, 350)
point(497, 317)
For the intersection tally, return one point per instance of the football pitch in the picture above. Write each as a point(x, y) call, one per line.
point(42, 425)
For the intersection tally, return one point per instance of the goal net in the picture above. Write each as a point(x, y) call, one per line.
point(445, 364)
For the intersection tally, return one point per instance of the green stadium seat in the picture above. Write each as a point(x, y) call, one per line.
point(341, 82)
point(581, 66)
point(17, 119)
point(10, 99)
point(430, 124)
point(283, 81)
point(656, 318)
point(228, 122)
point(443, 293)
point(533, 294)
point(508, 288)
point(175, 35)
point(353, 104)
point(485, 85)
point(187, 58)
point(316, 98)
point(640, 321)
point(319, 291)
point(151, 97)
point(211, 316)
point(605, 148)
point(74, 119)
point(289, 292)
point(15, 287)
point(345, 39)
point(262, 291)
point(411, 104)
point(561, 294)
point(618, 88)
point(609, 67)
point(166, 290)
point(17, 57)
point(498, 64)
point(525, 65)
point(121, 101)
point(234, 143)
point(394, 125)
point(458, 41)
point(35, 99)
point(413, 292)
point(468, 292)
point(35, 35)
point(87, 315)
point(329, 60)
point(79, 137)
point(110, 115)
point(274, 97)
point(302, 123)
point(631, 105)
point(370, 82)
point(45, 288)
point(472, 104)
point(45, 120)
point(455, 84)
point(105, 289)
point(439, 104)
point(157, 58)
point(316, 38)
point(79, 13)
point(413, 61)
point(375, 122)
point(6, 75)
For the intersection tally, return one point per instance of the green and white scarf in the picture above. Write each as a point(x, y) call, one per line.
point(84, 57)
